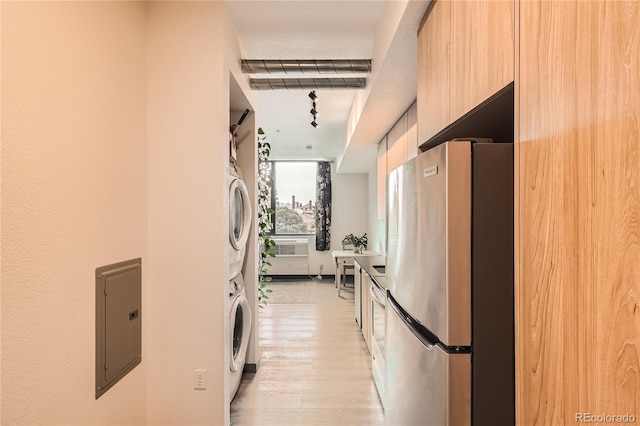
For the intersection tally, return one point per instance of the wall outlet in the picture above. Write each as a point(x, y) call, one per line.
point(200, 379)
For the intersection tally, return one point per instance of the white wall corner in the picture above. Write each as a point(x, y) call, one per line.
point(188, 127)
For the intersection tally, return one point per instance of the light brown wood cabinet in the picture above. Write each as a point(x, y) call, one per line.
point(577, 220)
point(465, 55)
point(482, 52)
point(381, 176)
point(397, 144)
point(412, 131)
point(397, 147)
point(434, 61)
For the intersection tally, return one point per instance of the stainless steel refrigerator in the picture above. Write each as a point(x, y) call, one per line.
point(449, 316)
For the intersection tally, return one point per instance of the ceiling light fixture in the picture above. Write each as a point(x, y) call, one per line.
point(313, 111)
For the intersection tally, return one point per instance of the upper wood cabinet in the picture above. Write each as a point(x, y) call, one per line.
point(397, 144)
point(382, 178)
point(412, 131)
point(482, 52)
point(433, 71)
point(466, 54)
point(396, 148)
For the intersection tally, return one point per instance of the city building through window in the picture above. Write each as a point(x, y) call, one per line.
point(293, 196)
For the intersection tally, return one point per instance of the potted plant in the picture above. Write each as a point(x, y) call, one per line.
point(359, 243)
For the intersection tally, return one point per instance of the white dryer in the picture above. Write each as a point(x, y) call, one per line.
point(240, 329)
point(239, 219)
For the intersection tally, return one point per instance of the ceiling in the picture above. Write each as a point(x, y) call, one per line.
point(350, 122)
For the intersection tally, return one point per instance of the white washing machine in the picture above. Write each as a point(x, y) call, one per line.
point(240, 329)
point(239, 219)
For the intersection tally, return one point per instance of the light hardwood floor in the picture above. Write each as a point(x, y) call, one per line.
point(315, 367)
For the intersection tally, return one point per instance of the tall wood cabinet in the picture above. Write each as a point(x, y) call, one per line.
point(578, 211)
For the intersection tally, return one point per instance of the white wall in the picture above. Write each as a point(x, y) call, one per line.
point(350, 215)
point(384, 33)
point(351, 201)
point(74, 198)
point(114, 145)
point(188, 119)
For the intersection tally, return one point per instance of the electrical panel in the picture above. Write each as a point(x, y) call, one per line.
point(118, 322)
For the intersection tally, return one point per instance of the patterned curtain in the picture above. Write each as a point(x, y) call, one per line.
point(323, 207)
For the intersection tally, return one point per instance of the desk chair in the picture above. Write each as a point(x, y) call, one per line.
point(347, 264)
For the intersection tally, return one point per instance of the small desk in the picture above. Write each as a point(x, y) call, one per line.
point(338, 260)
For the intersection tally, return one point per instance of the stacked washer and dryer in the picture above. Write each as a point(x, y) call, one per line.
point(240, 311)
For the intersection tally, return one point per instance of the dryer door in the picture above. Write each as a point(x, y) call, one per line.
point(239, 214)
point(240, 329)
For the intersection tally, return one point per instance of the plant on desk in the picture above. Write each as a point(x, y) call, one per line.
point(359, 243)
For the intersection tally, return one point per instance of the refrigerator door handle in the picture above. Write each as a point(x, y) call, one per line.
point(425, 336)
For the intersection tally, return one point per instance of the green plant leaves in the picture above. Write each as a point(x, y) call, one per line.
point(264, 217)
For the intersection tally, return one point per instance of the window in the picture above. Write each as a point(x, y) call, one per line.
point(294, 197)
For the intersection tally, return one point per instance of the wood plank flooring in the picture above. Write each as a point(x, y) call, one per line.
point(315, 367)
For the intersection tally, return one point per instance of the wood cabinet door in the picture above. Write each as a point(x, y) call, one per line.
point(397, 144)
point(482, 51)
point(412, 132)
point(577, 217)
point(433, 71)
point(381, 172)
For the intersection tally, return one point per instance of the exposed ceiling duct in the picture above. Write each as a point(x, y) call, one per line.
point(306, 66)
point(307, 83)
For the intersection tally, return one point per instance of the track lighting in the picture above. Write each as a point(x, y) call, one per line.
point(313, 111)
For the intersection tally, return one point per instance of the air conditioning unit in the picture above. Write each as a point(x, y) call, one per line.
point(291, 247)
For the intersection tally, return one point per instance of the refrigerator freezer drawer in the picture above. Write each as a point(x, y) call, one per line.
point(423, 386)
